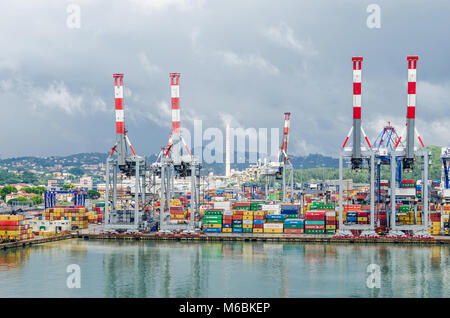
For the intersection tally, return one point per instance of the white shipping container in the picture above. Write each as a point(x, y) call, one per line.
point(247, 221)
point(330, 213)
point(226, 205)
point(270, 207)
point(273, 225)
point(219, 199)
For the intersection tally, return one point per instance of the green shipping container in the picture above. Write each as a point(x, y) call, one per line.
point(247, 230)
point(293, 226)
point(314, 231)
point(212, 217)
point(330, 231)
point(212, 221)
point(213, 212)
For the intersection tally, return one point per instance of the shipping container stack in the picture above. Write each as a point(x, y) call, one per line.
point(330, 222)
point(407, 184)
point(446, 214)
point(352, 217)
point(247, 222)
point(363, 217)
point(227, 222)
point(274, 223)
point(294, 226)
point(98, 209)
point(290, 211)
point(177, 213)
point(77, 215)
point(13, 228)
point(238, 216)
point(435, 219)
point(212, 220)
point(380, 222)
point(315, 222)
point(258, 222)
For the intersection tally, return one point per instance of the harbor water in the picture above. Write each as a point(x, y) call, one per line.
point(224, 269)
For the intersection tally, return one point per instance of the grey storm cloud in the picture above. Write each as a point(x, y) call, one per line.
point(242, 62)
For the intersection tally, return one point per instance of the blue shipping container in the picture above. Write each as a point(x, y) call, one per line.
point(291, 221)
point(213, 230)
point(275, 216)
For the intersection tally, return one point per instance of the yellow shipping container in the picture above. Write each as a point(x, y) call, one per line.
point(247, 217)
point(258, 213)
point(330, 227)
point(257, 230)
point(247, 226)
point(266, 230)
point(227, 230)
point(177, 216)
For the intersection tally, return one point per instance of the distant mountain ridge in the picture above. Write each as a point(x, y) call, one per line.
point(77, 160)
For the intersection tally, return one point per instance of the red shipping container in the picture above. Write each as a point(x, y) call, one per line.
point(237, 217)
point(293, 231)
point(314, 227)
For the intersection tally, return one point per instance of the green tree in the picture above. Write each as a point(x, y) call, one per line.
point(18, 199)
point(76, 171)
point(29, 177)
point(67, 187)
point(7, 190)
point(93, 195)
point(37, 199)
point(35, 190)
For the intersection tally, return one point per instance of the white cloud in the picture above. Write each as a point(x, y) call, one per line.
point(433, 97)
point(99, 104)
point(6, 85)
point(302, 148)
point(150, 6)
point(284, 36)
point(249, 60)
point(8, 65)
point(149, 68)
point(227, 118)
point(58, 96)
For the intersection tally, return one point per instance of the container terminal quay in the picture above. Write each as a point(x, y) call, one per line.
point(171, 199)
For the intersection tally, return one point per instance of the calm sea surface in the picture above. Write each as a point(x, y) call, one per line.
point(223, 269)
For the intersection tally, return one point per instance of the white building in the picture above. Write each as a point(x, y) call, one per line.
point(86, 182)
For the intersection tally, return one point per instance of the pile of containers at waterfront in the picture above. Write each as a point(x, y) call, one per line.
point(14, 228)
point(252, 217)
point(77, 215)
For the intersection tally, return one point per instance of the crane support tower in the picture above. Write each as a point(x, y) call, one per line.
point(128, 216)
point(174, 164)
point(407, 155)
point(445, 182)
point(357, 154)
point(279, 169)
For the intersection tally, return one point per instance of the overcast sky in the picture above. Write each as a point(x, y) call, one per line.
point(243, 61)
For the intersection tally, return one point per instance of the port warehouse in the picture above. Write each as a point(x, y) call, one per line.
point(391, 208)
